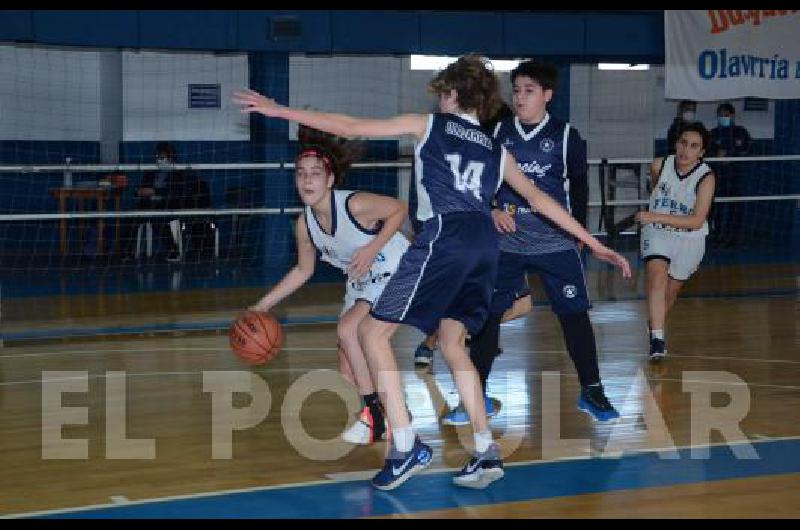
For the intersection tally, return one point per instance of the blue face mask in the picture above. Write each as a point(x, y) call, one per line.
point(724, 121)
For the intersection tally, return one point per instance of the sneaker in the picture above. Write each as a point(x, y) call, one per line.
point(482, 469)
point(400, 467)
point(458, 416)
point(594, 402)
point(423, 356)
point(658, 349)
point(492, 406)
point(364, 431)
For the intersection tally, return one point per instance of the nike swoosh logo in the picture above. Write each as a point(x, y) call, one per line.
point(471, 469)
point(397, 470)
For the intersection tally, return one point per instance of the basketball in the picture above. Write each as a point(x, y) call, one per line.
point(256, 337)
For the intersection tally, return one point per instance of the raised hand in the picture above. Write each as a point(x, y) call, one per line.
point(252, 101)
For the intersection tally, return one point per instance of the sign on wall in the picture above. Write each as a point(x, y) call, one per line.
point(204, 96)
point(729, 53)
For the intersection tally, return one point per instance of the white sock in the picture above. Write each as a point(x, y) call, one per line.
point(482, 441)
point(404, 438)
point(657, 334)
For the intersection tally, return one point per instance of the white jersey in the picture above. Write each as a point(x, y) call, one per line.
point(346, 237)
point(676, 194)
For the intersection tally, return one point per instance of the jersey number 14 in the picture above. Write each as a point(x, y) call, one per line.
point(470, 179)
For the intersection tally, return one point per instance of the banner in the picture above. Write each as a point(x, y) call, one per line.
point(726, 54)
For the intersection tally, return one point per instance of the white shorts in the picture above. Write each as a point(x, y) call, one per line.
point(683, 253)
point(368, 289)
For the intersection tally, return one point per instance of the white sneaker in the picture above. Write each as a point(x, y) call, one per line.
point(363, 431)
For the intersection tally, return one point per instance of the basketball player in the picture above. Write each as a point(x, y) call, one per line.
point(445, 279)
point(552, 154)
point(356, 232)
point(675, 226)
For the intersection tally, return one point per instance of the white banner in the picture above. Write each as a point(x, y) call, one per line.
point(725, 54)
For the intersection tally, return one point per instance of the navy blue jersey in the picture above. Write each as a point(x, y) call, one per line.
point(550, 155)
point(458, 167)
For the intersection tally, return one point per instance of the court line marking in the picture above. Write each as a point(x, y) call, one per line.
point(329, 481)
point(119, 499)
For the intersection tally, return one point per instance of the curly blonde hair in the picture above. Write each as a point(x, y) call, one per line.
point(476, 84)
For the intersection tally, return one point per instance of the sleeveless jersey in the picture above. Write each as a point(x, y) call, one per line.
point(541, 154)
point(347, 236)
point(458, 167)
point(676, 194)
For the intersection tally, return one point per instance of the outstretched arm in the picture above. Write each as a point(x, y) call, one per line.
point(369, 208)
point(338, 124)
point(545, 205)
point(295, 278)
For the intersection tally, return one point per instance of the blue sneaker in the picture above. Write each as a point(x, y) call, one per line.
point(594, 402)
point(423, 356)
point(482, 469)
point(492, 406)
point(458, 416)
point(400, 467)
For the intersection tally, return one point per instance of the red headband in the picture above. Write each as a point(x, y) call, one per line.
point(319, 154)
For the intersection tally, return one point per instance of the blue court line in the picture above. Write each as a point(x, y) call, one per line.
point(314, 319)
point(435, 491)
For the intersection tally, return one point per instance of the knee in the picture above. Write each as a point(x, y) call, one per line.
point(657, 278)
point(448, 345)
point(365, 329)
point(346, 331)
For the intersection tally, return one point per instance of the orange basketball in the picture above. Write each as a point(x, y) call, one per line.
point(256, 337)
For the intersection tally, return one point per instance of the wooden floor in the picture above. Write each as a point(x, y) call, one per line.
point(736, 330)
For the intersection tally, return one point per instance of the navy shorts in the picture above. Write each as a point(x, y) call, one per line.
point(560, 272)
point(448, 272)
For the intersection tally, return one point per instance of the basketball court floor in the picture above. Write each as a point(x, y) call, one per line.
point(131, 415)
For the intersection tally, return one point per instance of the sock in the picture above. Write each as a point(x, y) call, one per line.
point(404, 439)
point(483, 348)
point(482, 441)
point(657, 334)
point(579, 338)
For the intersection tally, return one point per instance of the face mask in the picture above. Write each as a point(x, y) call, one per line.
point(724, 121)
point(688, 115)
point(163, 163)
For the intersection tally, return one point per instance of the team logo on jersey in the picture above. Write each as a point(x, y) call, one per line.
point(380, 258)
point(328, 251)
point(534, 168)
point(570, 291)
point(546, 145)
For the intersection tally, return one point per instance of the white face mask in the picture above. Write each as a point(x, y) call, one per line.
point(688, 115)
point(163, 163)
